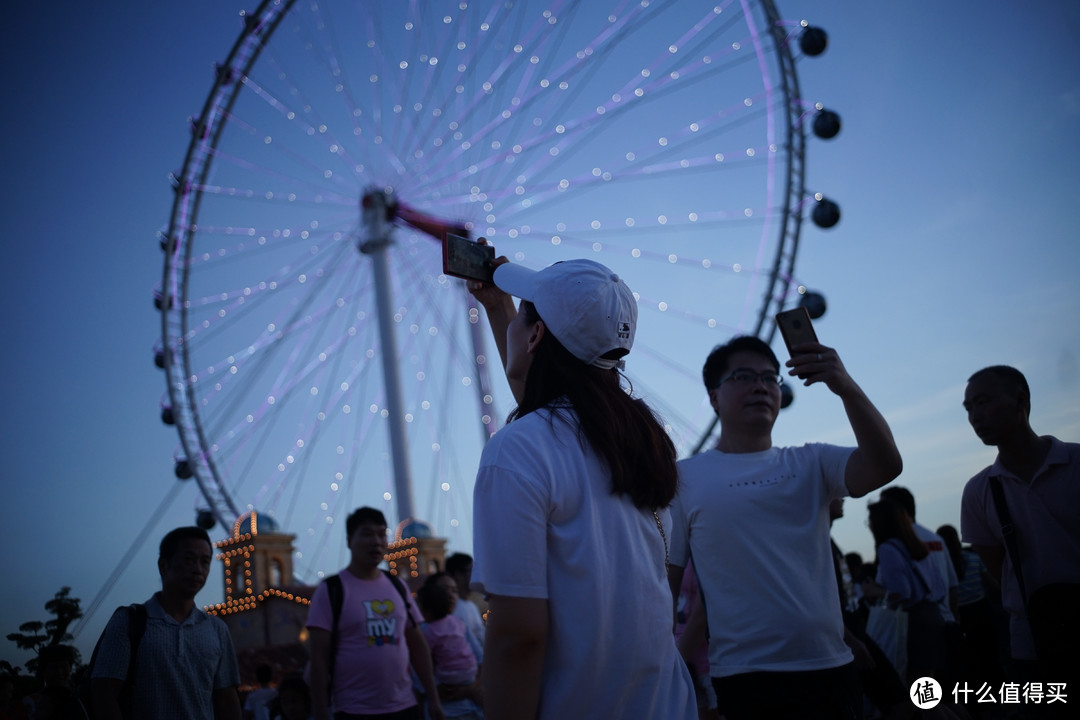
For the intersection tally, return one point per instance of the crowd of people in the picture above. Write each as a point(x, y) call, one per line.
point(623, 583)
point(768, 601)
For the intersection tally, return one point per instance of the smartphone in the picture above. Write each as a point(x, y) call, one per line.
point(795, 327)
point(463, 258)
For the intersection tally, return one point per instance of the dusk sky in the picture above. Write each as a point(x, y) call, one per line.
point(957, 172)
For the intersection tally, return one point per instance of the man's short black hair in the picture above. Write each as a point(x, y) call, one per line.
point(1011, 376)
point(363, 516)
point(172, 541)
point(902, 497)
point(716, 365)
point(458, 563)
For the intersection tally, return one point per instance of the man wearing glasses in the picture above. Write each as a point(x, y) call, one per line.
point(755, 518)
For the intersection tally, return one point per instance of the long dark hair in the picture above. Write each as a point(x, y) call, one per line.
point(952, 544)
point(888, 521)
point(621, 429)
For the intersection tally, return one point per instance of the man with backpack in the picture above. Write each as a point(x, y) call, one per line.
point(365, 633)
point(167, 658)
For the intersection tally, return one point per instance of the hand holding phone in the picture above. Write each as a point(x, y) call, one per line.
point(466, 259)
point(820, 364)
point(795, 327)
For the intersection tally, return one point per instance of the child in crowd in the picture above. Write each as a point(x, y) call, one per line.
point(257, 703)
point(453, 659)
point(293, 701)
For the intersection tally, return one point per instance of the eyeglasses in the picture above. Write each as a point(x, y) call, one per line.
point(744, 376)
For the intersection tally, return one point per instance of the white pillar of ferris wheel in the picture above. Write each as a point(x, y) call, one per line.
point(438, 229)
point(476, 333)
point(377, 220)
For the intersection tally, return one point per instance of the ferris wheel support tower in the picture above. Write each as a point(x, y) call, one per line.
point(377, 214)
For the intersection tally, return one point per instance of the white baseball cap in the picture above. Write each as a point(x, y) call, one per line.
point(586, 306)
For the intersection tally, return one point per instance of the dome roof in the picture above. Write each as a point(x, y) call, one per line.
point(414, 529)
point(262, 524)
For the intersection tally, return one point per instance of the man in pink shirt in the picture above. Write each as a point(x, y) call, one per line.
point(362, 669)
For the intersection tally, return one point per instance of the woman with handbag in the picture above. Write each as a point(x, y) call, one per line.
point(910, 581)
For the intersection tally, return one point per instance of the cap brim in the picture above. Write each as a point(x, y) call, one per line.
point(517, 280)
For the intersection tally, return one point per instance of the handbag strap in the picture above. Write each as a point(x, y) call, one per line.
point(913, 565)
point(660, 527)
point(1008, 533)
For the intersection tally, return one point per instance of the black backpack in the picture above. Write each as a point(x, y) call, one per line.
point(136, 615)
point(337, 598)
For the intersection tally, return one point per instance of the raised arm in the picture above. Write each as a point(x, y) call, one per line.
point(876, 461)
point(500, 310)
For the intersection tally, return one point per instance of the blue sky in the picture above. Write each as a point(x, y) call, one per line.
point(957, 172)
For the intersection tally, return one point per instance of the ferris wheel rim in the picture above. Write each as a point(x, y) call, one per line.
point(259, 27)
point(245, 53)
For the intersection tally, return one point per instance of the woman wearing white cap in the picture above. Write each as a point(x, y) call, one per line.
point(570, 510)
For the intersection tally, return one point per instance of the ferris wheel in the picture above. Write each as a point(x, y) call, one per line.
point(315, 353)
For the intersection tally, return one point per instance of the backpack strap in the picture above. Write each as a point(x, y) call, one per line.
point(896, 542)
point(1008, 533)
point(336, 592)
point(136, 628)
point(404, 593)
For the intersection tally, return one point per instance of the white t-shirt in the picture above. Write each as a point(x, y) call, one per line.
point(939, 558)
point(258, 702)
point(547, 526)
point(910, 580)
point(757, 525)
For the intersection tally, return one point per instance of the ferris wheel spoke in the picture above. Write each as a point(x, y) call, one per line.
point(301, 112)
point(512, 111)
point(296, 371)
point(341, 194)
point(266, 342)
point(662, 138)
point(264, 361)
point(630, 169)
point(321, 48)
point(276, 483)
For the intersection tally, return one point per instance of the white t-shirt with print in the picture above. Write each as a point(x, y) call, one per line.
point(757, 525)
